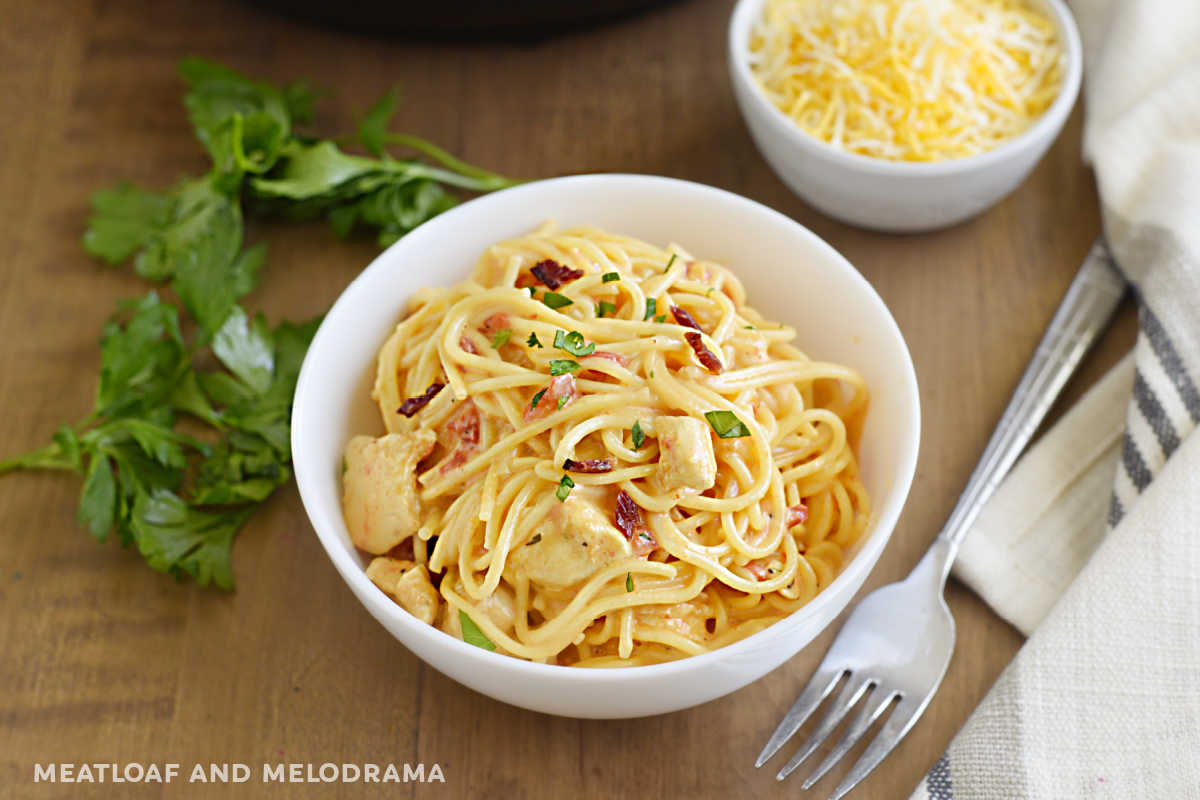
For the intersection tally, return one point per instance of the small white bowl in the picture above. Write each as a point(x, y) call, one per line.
point(895, 196)
point(789, 274)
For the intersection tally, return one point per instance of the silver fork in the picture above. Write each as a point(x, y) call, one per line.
point(897, 643)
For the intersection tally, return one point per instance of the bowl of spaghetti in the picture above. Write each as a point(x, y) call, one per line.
point(612, 465)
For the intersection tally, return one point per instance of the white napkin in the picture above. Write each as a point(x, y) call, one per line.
point(1104, 698)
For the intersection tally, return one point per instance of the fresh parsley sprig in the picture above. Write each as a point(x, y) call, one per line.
point(180, 499)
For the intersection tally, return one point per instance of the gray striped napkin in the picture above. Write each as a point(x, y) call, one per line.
point(1104, 698)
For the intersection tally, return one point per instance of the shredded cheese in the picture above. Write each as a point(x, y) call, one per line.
point(908, 80)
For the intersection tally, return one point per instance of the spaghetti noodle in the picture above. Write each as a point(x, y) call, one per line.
point(599, 455)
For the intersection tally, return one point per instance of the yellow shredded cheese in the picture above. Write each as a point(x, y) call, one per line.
point(908, 80)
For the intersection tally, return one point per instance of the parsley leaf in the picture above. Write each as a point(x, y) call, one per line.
point(563, 366)
point(573, 343)
point(562, 401)
point(125, 218)
point(605, 309)
point(638, 435)
point(628, 581)
point(556, 300)
point(242, 123)
point(564, 488)
point(537, 398)
point(372, 131)
point(651, 308)
point(472, 634)
point(726, 424)
point(247, 349)
point(610, 277)
point(501, 337)
point(175, 537)
point(533, 340)
point(672, 261)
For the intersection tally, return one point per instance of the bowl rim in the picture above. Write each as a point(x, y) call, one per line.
point(1046, 126)
point(351, 570)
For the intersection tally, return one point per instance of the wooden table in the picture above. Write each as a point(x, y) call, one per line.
point(106, 661)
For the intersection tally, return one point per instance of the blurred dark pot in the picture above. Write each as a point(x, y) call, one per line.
point(516, 19)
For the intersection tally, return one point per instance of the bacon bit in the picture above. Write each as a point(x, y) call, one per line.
point(684, 318)
point(758, 570)
point(591, 465)
point(466, 344)
point(465, 424)
point(629, 520)
point(414, 404)
point(703, 354)
point(561, 386)
point(403, 551)
point(434, 577)
point(554, 274)
point(597, 375)
point(496, 322)
point(797, 514)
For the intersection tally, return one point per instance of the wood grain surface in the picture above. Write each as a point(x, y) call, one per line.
point(106, 661)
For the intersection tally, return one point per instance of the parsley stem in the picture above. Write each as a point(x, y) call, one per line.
point(430, 149)
point(463, 175)
point(49, 457)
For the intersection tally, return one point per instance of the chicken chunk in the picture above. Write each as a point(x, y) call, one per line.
point(685, 453)
point(500, 607)
point(408, 584)
point(577, 540)
point(688, 619)
point(380, 488)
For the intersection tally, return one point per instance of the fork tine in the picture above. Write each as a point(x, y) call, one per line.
point(897, 725)
point(872, 708)
point(818, 688)
point(851, 693)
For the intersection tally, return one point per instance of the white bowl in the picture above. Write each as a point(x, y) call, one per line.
point(789, 274)
point(894, 196)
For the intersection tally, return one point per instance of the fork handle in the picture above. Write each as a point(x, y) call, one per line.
point(1084, 313)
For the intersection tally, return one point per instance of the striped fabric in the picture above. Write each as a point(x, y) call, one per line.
point(1166, 402)
point(1104, 698)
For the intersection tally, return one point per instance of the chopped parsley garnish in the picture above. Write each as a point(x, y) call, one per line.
point(639, 436)
point(501, 337)
point(726, 425)
point(537, 398)
point(628, 581)
point(564, 488)
point(556, 300)
point(562, 401)
point(561, 366)
point(661, 318)
point(605, 309)
point(532, 291)
point(651, 308)
point(609, 277)
point(751, 328)
point(472, 634)
point(573, 343)
point(672, 261)
point(533, 340)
